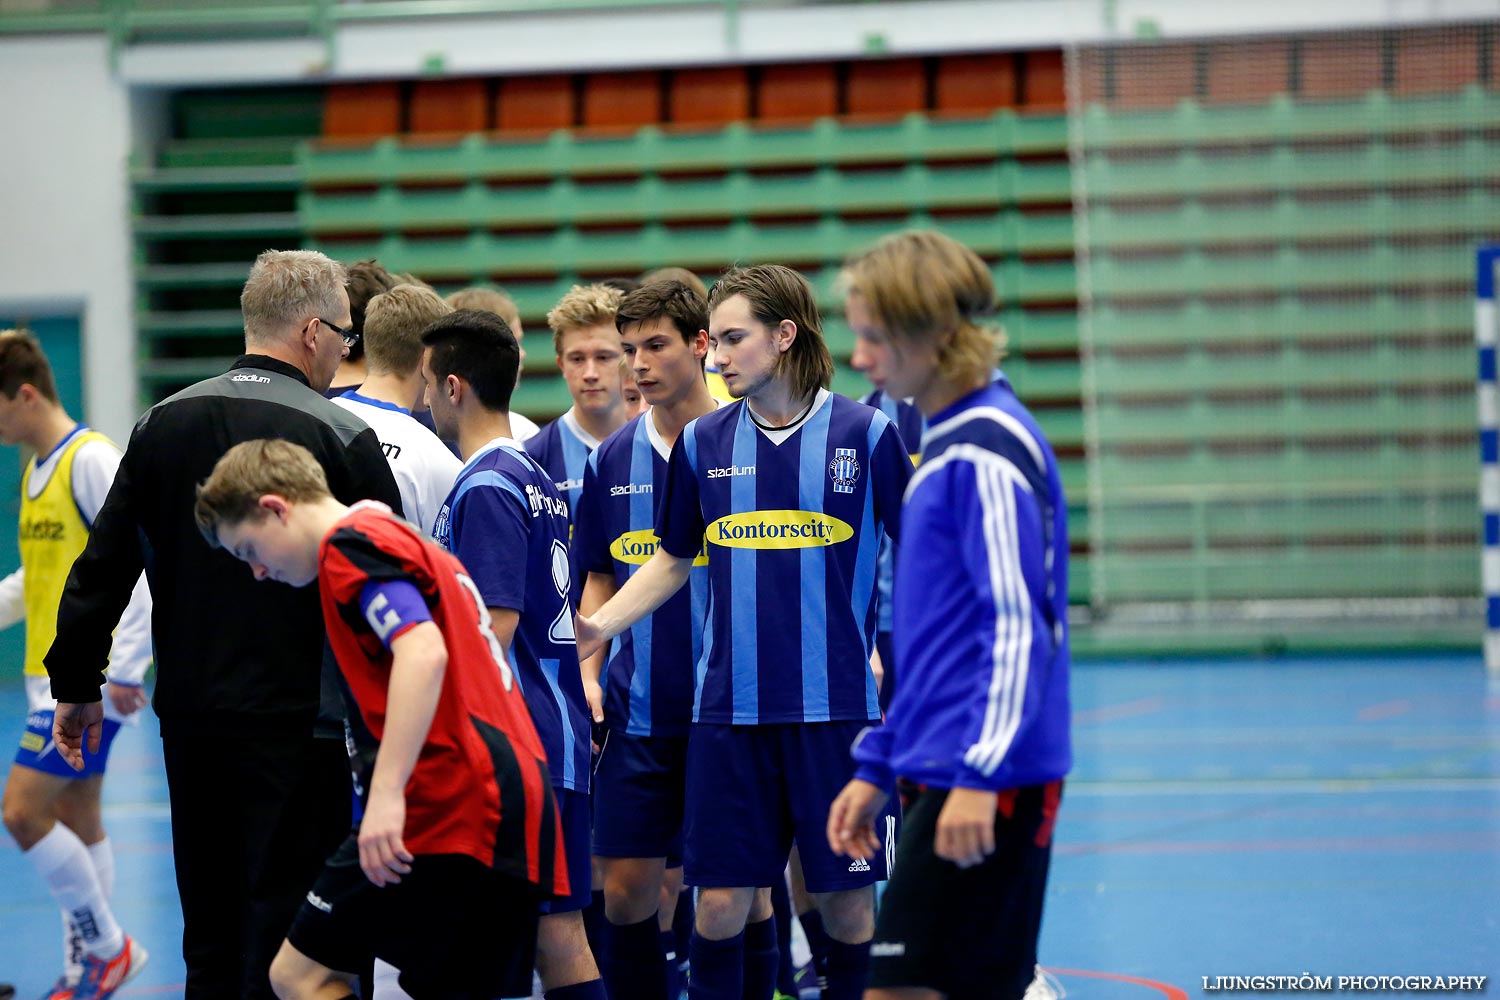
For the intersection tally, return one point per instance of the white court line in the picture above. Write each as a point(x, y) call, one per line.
point(138, 810)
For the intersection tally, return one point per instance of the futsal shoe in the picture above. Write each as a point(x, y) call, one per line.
point(810, 985)
point(61, 990)
point(101, 977)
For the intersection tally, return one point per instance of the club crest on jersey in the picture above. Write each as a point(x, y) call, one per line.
point(440, 527)
point(843, 470)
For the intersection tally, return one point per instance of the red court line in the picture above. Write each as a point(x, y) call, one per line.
point(1124, 710)
point(1171, 992)
point(1385, 710)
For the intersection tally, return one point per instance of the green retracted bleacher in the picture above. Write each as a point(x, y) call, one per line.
point(221, 188)
point(1279, 323)
point(536, 214)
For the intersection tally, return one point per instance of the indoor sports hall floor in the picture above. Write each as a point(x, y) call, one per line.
point(1225, 818)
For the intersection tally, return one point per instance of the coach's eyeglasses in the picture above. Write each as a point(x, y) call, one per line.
point(350, 338)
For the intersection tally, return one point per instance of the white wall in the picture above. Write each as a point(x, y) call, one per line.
point(543, 40)
point(64, 207)
point(66, 119)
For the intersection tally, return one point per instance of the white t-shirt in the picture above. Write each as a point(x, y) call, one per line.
point(522, 426)
point(94, 467)
point(423, 466)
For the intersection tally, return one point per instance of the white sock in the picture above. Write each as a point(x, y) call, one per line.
point(64, 864)
point(102, 855)
point(72, 952)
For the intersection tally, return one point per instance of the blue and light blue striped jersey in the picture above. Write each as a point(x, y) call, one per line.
point(648, 687)
point(507, 524)
point(911, 425)
point(793, 519)
point(981, 608)
point(563, 448)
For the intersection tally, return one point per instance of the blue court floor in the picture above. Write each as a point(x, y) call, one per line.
point(1333, 817)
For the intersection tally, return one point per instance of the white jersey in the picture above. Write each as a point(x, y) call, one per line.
point(423, 466)
point(94, 467)
point(522, 426)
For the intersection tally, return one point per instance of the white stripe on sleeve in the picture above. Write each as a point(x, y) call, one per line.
point(997, 480)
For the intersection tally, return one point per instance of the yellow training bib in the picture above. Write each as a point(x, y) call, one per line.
point(53, 534)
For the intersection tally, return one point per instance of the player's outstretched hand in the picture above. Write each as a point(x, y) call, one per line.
point(588, 636)
point(72, 725)
point(382, 853)
point(851, 819)
point(127, 698)
point(966, 827)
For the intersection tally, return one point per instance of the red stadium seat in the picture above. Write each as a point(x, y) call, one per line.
point(1344, 65)
point(447, 106)
point(710, 96)
point(887, 87)
point(622, 99)
point(1044, 83)
point(799, 91)
point(529, 103)
point(1436, 61)
point(361, 110)
point(975, 83)
point(1154, 76)
point(1247, 72)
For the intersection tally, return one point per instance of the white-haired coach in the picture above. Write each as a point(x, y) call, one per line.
point(251, 733)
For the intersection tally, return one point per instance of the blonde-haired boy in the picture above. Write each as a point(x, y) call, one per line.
point(592, 363)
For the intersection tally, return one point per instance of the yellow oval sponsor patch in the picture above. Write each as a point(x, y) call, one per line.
point(636, 547)
point(778, 529)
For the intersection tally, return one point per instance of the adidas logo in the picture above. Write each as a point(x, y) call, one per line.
point(859, 865)
point(319, 902)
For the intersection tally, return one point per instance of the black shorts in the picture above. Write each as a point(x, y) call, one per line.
point(967, 932)
point(454, 928)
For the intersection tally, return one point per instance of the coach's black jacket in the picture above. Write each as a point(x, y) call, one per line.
point(230, 652)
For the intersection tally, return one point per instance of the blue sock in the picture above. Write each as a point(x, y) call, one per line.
point(848, 968)
point(591, 990)
point(674, 962)
point(631, 964)
point(593, 924)
point(759, 977)
point(817, 942)
point(682, 927)
point(781, 906)
point(718, 968)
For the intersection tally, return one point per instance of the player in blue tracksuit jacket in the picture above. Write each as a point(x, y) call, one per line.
point(979, 726)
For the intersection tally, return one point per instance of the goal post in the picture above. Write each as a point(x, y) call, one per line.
point(1486, 339)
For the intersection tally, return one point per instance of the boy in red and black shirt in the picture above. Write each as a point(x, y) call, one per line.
point(460, 839)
